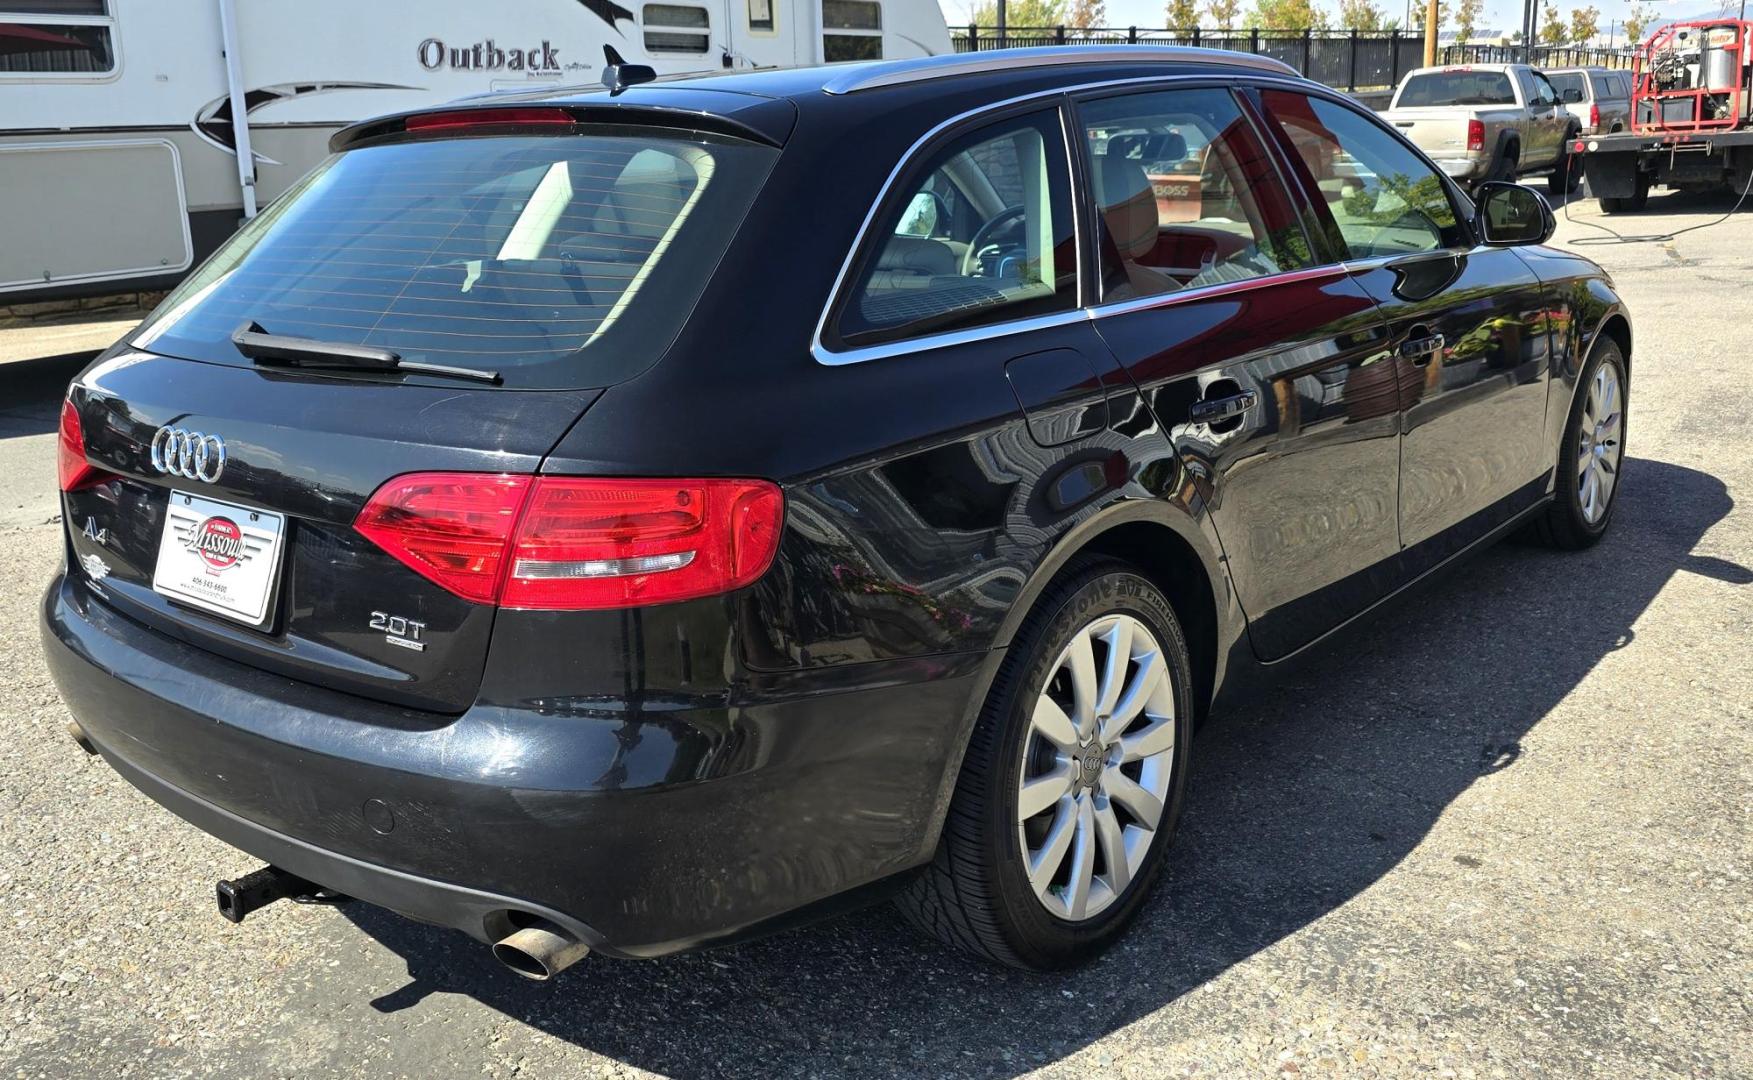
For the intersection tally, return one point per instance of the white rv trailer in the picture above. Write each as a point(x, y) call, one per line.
point(120, 119)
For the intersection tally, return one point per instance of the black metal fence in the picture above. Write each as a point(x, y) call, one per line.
point(1346, 59)
point(1545, 56)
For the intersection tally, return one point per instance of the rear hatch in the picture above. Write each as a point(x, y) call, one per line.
point(448, 300)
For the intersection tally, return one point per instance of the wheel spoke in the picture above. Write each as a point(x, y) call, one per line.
point(1144, 684)
point(1153, 740)
point(1144, 807)
point(1052, 724)
point(1590, 483)
point(1082, 660)
point(1039, 793)
point(1083, 861)
point(1603, 484)
point(1119, 640)
point(1113, 839)
point(1045, 862)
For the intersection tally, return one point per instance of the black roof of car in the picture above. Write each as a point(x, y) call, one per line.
point(736, 96)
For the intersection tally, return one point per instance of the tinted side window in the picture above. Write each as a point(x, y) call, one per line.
point(1604, 87)
point(1382, 198)
point(1187, 194)
point(981, 233)
point(1572, 80)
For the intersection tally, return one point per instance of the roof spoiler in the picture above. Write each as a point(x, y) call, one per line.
point(488, 116)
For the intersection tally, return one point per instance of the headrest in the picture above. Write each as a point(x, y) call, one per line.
point(1160, 148)
point(920, 254)
point(1128, 205)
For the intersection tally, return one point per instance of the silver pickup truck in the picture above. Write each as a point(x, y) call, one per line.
point(1488, 122)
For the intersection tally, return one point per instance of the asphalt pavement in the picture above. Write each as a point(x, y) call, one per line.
point(1506, 832)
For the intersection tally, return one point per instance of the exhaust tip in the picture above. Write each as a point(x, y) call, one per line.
point(539, 951)
point(80, 737)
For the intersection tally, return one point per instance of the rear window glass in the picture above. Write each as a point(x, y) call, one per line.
point(1457, 88)
point(1569, 80)
point(554, 260)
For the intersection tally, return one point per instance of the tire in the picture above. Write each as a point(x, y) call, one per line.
point(976, 894)
point(1566, 176)
point(1507, 165)
point(1628, 204)
point(1571, 522)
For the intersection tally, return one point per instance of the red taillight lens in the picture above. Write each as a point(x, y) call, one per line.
point(1475, 134)
point(575, 543)
point(467, 118)
point(73, 470)
point(1594, 117)
point(451, 528)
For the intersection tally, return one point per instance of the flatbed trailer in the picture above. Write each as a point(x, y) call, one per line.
point(1691, 117)
point(1622, 168)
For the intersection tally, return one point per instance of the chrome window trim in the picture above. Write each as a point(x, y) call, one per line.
point(954, 337)
point(1088, 309)
point(902, 72)
point(857, 354)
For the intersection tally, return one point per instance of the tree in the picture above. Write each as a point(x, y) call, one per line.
point(1181, 15)
point(1087, 13)
point(1442, 14)
point(1552, 29)
point(1585, 23)
point(1020, 13)
point(1287, 15)
point(1467, 19)
point(1223, 12)
point(1359, 15)
point(1635, 20)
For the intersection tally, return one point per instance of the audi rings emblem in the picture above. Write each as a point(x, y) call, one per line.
point(188, 454)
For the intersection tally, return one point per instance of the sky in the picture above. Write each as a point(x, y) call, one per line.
point(1503, 15)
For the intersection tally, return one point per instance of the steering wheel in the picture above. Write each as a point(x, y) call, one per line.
point(971, 257)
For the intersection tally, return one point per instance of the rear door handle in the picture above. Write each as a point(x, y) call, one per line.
point(1204, 412)
point(1419, 350)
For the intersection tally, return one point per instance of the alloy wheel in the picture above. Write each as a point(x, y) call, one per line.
point(1598, 443)
point(1097, 762)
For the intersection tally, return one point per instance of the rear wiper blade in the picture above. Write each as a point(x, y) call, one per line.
point(265, 348)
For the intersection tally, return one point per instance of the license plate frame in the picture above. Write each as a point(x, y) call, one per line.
point(223, 558)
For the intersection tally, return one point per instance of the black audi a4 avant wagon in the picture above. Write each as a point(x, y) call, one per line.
point(634, 519)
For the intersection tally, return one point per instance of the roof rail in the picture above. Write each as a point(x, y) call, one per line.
point(877, 73)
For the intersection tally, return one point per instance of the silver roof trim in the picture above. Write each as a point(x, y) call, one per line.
point(876, 73)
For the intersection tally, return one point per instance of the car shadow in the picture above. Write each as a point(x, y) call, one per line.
point(31, 391)
point(1295, 807)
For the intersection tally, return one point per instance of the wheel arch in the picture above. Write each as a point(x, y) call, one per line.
point(1166, 544)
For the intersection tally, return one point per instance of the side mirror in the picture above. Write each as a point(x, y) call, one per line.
point(926, 215)
point(1511, 215)
point(1573, 97)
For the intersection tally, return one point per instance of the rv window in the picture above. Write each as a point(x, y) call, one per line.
point(853, 30)
point(556, 261)
point(761, 15)
point(690, 33)
point(59, 37)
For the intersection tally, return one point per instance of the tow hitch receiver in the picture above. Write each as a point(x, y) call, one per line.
point(270, 883)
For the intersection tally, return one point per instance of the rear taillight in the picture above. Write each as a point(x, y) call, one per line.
point(1594, 117)
point(1475, 134)
point(71, 466)
point(577, 543)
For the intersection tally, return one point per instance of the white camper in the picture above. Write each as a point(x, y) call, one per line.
point(120, 120)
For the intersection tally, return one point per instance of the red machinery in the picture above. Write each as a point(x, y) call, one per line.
point(1691, 117)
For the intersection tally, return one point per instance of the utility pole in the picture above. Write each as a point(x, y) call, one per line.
point(1001, 13)
point(1430, 31)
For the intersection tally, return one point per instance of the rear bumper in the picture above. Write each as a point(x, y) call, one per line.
point(644, 830)
point(1462, 168)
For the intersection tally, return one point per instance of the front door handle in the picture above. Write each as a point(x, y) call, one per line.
point(1419, 350)
point(1204, 412)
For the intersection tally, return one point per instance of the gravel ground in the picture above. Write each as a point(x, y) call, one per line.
point(1505, 833)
